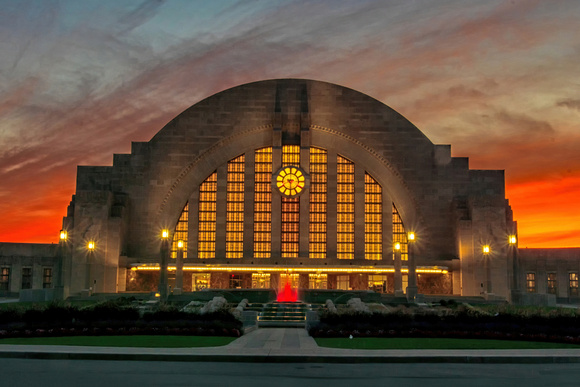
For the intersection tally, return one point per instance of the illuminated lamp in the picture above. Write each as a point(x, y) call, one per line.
point(485, 249)
point(512, 239)
point(164, 234)
point(63, 235)
point(397, 246)
point(91, 246)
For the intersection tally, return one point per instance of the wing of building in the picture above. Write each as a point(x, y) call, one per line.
point(281, 181)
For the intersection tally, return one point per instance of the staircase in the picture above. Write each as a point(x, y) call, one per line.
point(284, 314)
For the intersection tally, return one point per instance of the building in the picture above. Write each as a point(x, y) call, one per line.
point(283, 181)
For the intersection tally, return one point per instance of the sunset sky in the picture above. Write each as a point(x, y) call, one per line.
point(498, 80)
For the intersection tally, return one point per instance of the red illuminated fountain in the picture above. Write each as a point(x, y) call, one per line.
point(287, 294)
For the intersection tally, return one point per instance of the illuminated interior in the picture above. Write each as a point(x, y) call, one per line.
point(320, 246)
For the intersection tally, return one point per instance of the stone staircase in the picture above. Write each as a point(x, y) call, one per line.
point(284, 314)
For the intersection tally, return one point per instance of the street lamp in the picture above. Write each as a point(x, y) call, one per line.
point(179, 267)
point(486, 250)
point(91, 245)
point(398, 274)
point(163, 264)
point(60, 269)
point(513, 241)
point(412, 268)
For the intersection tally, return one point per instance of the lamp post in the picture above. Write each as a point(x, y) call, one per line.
point(485, 251)
point(412, 266)
point(62, 252)
point(163, 264)
point(179, 268)
point(91, 245)
point(398, 275)
point(512, 242)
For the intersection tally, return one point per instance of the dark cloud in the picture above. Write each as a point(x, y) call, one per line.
point(573, 104)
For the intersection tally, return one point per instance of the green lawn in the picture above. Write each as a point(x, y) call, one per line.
point(126, 341)
point(424, 343)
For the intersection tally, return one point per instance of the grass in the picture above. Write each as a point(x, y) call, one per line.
point(425, 343)
point(125, 341)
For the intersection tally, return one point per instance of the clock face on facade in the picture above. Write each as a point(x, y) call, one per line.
point(290, 181)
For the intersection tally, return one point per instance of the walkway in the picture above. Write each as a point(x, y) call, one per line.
point(289, 345)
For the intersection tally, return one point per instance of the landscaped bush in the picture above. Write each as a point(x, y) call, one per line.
point(463, 321)
point(115, 317)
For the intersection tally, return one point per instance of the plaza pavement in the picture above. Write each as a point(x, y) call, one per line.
point(288, 345)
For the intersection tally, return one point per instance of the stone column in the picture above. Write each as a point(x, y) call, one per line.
point(398, 275)
point(164, 258)
point(359, 213)
point(331, 207)
point(411, 264)
point(179, 272)
point(221, 213)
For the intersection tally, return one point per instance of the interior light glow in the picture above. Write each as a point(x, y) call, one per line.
point(316, 270)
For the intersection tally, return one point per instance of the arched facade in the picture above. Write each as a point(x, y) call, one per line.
point(210, 177)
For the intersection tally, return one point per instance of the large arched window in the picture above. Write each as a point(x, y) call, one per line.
point(289, 216)
point(344, 208)
point(207, 217)
point(318, 199)
point(263, 203)
point(235, 208)
point(373, 219)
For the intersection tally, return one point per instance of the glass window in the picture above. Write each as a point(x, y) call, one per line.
point(531, 282)
point(236, 281)
point(293, 279)
point(552, 283)
point(318, 178)
point(399, 234)
point(343, 282)
point(235, 208)
point(317, 281)
point(47, 278)
point(573, 284)
point(373, 219)
point(378, 283)
point(207, 217)
point(200, 281)
point(5, 278)
point(344, 208)
point(260, 280)
point(26, 278)
point(290, 209)
point(263, 202)
point(181, 232)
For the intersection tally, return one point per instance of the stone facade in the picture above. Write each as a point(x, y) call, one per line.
point(453, 210)
point(28, 266)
